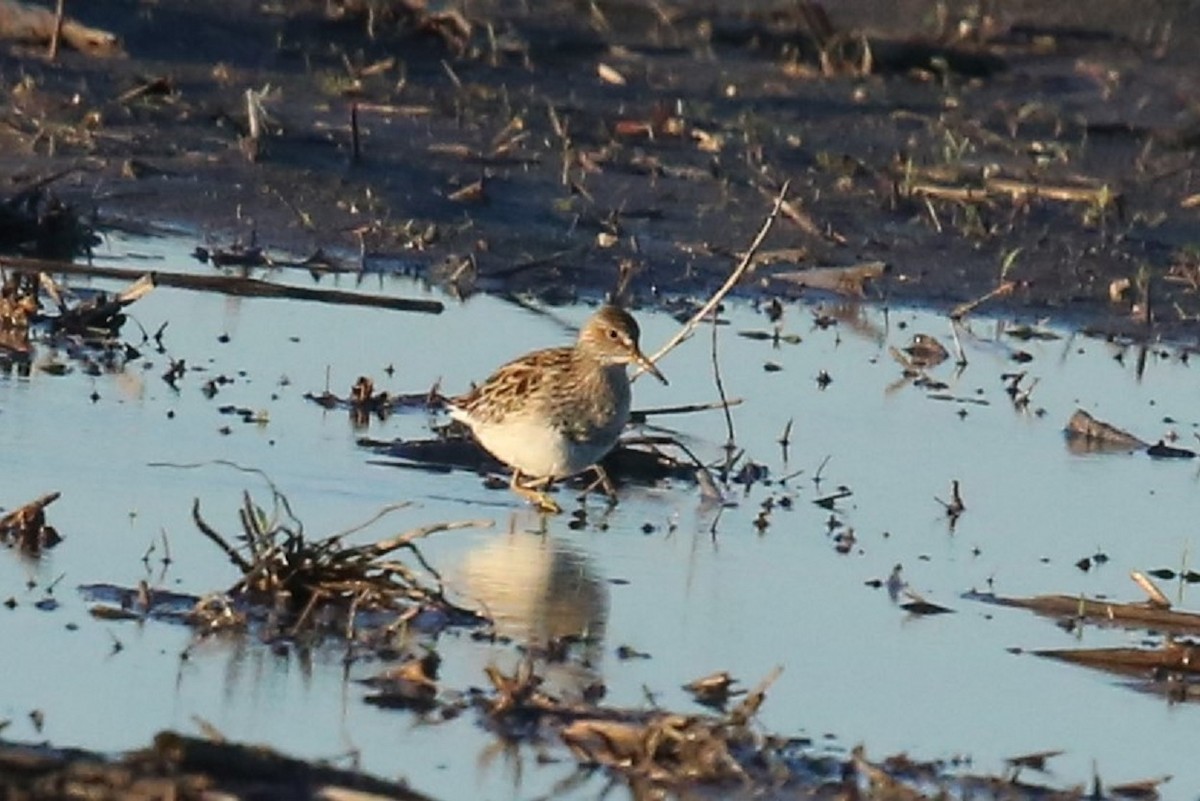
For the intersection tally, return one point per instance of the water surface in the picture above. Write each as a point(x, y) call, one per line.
point(695, 586)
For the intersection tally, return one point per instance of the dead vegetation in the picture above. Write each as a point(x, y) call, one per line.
point(31, 24)
point(178, 766)
point(656, 754)
point(26, 528)
point(35, 222)
point(296, 584)
point(1086, 434)
point(659, 753)
point(88, 324)
point(445, 127)
point(363, 401)
point(974, 174)
point(1164, 665)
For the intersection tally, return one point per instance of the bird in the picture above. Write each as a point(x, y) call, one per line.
point(556, 412)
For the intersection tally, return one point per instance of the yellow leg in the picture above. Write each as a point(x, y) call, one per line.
point(532, 494)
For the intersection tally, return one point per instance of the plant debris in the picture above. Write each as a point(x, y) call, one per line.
point(1101, 612)
point(1088, 434)
point(90, 318)
point(713, 690)
point(410, 685)
point(178, 766)
point(293, 584)
point(363, 401)
point(323, 585)
point(26, 527)
point(35, 223)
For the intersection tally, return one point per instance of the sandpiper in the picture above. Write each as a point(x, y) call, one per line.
point(556, 412)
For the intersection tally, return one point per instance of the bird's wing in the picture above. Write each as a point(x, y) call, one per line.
point(513, 385)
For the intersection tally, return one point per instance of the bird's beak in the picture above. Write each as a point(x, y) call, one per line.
point(648, 366)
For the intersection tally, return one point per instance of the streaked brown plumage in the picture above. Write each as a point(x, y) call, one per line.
point(553, 413)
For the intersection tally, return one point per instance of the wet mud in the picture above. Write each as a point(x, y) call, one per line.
point(1012, 158)
point(560, 148)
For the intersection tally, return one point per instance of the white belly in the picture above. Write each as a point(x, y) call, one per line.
point(538, 450)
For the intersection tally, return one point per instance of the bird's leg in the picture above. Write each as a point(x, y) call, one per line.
point(604, 482)
point(533, 494)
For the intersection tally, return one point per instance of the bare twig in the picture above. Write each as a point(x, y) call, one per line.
point(785, 439)
point(227, 284)
point(386, 510)
point(1157, 598)
point(721, 388)
point(730, 283)
point(754, 699)
point(641, 415)
point(963, 309)
point(801, 218)
point(955, 506)
point(56, 35)
point(220, 542)
point(962, 356)
point(407, 538)
point(355, 146)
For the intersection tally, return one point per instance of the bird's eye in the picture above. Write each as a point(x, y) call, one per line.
point(613, 333)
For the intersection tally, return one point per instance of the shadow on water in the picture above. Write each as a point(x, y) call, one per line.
point(634, 601)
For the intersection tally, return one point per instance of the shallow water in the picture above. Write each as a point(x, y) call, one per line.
point(697, 588)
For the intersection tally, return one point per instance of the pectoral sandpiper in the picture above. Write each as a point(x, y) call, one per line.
point(553, 413)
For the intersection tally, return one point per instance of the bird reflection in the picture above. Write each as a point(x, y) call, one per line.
point(545, 595)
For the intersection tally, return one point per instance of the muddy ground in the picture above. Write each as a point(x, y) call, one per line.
point(545, 147)
point(555, 147)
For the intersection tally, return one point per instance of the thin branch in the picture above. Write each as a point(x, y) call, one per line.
point(213, 535)
point(962, 356)
point(407, 538)
point(56, 34)
point(333, 539)
point(963, 309)
point(721, 388)
point(730, 283)
point(236, 285)
point(642, 415)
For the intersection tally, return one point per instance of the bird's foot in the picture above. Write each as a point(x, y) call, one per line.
point(546, 504)
point(534, 495)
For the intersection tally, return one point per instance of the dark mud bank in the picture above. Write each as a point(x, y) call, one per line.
point(565, 149)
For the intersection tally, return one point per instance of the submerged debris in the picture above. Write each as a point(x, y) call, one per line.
point(1101, 612)
point(410, 685)
point(1171, 668)
point(99, 314)
point(667, 754)
point(713, 690)
point(363, 401)
point(926, 351)
point(1088, 434)
point(91, 319)
point(26, 527)
point(661, 747)
point(955, 506)
point(1098, 435)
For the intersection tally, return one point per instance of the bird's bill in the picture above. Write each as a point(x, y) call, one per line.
point(648, 366)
